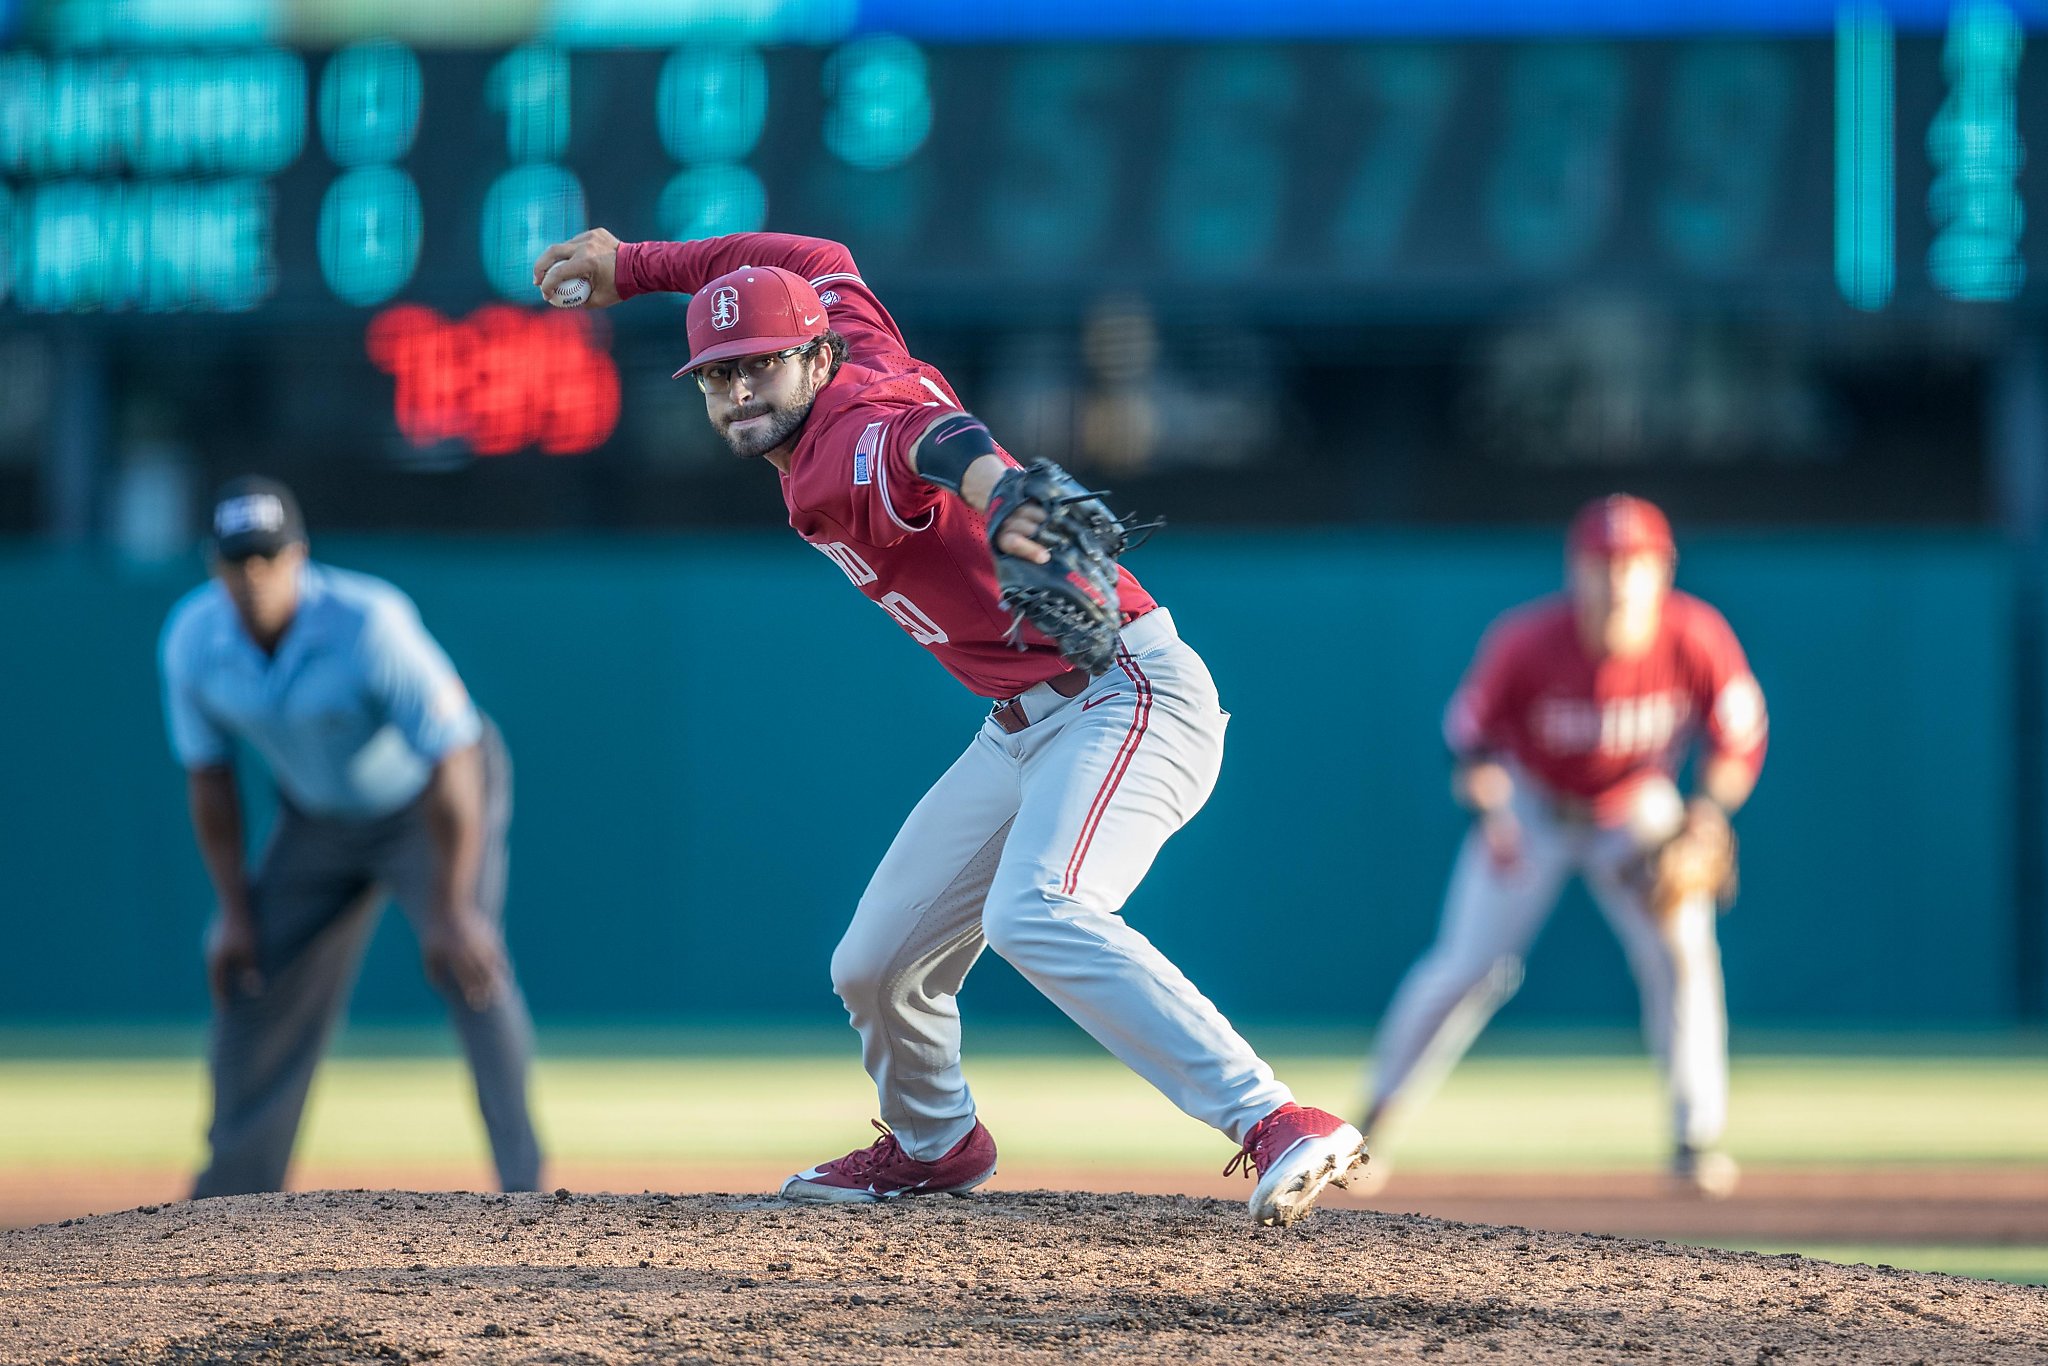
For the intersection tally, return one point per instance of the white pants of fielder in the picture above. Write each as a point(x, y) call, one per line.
point(1030, 844)
point(1491, 916)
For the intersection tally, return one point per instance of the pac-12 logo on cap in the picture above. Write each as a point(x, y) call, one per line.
point(725, 308)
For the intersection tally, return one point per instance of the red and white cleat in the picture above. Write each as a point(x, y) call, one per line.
point(883, 1171)
point(1296, 1152)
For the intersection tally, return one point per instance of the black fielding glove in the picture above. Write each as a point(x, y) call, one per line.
point(1072, 597)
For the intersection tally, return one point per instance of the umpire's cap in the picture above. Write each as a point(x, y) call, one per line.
point(1620, 524)
point(255, 516)
point(751, 310)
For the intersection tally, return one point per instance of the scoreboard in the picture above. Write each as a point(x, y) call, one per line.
point(1866, 169)
point(314, 257)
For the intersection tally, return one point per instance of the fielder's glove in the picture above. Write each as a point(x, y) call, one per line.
point(1700, 860)
point(1072, 596)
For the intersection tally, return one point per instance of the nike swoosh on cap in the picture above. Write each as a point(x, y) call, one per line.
point(809, 321)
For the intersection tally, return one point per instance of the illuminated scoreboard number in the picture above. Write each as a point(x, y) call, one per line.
point(370, 217)
point(1407, 94)
point(710, 107)
point(1053, 196)
point(1726, 128)
point(1974, 146)
point(1225, 183)
point(536, 202)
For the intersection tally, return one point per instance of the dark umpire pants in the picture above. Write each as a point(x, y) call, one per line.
point(316, 894)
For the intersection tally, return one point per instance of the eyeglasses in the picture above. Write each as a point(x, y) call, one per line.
point(757, 369)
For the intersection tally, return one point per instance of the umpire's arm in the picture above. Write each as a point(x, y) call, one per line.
point(460, 945)
point(216, 805)
point(205, 751)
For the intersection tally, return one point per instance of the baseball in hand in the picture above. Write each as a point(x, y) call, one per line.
point(1655, 813)
point(572, 292)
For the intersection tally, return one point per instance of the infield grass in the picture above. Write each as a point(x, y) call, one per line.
point(734, 1096)
point(2020, 1265)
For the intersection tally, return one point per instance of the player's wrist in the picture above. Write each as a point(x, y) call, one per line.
point(624, 270)
point(232, 903)
point(1485, 786)
point(1706, 806)
point(457, 908)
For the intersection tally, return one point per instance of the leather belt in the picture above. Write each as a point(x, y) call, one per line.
point(1010, 715)
point(1569, 810)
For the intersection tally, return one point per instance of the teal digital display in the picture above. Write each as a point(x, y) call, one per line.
point(1867, 169)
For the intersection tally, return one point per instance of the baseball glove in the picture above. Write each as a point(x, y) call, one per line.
point(1698, 861)
point(1072, 597)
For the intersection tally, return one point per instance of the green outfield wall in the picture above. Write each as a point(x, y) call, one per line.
point(714, 741)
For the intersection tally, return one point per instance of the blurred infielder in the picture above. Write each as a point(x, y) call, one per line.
point(1569, 731)
point(388, 780)
point(1104, 739)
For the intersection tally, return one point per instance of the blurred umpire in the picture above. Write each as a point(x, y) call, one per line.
point(389, 781)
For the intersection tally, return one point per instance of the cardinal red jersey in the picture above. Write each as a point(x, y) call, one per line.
point(918, 552)
point(1593, 729)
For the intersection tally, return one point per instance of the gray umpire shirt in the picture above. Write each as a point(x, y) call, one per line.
point(352, 712)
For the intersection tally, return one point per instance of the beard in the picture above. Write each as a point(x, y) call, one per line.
point(782, 424)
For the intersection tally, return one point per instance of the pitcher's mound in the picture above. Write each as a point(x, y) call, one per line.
point(389, 1277)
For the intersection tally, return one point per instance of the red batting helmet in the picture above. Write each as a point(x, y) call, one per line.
point(748, 311)
point(1617, 525)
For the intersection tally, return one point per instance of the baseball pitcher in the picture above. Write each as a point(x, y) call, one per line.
point(1104, 737)
point(1568, 732)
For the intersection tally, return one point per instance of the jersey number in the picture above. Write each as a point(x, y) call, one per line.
point(908, 614)
point(922, 628)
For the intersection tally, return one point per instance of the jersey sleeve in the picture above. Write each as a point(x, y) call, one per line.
point(886, 501)
point(1737, 724)
point(686, 267)
point(408, 674)
point(196, 738)
point(1476, 721)
point(888, 498)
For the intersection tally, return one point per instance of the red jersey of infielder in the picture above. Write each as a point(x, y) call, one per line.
point(1570, 728)
point(1595, 731)
point(1031, 842)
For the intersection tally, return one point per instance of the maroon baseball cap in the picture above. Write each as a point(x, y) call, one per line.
point(748, 311)
point(1617, 525)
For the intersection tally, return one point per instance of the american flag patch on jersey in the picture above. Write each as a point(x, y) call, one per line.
point(867, 452)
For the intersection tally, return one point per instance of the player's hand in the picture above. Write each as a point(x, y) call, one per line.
point(1018, 533)
point(1502, 834)
point(591, 255)
point(231, 957)
point(1705, 820)
point(464, 950)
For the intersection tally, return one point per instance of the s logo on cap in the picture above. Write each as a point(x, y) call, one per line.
point(725, 308)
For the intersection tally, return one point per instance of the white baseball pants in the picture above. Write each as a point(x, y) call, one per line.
point(1490, 918)
point(1030, 844)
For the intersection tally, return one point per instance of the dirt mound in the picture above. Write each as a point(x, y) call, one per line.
point(389, 1277)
